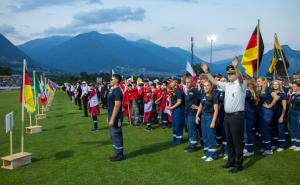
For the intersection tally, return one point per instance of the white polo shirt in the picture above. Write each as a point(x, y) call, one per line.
point(235, 95)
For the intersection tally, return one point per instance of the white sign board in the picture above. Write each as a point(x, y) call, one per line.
point(9, 121)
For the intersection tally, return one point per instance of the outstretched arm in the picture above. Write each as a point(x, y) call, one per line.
point(209, 76)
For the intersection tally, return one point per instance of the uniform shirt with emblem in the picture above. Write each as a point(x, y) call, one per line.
point(295, 101)
point(208, 104)
point(191, 98)
point(235, 94)
point(221, 97)
point(115, 94)
point(278, 105)
point(265, 96)
point(178, 94)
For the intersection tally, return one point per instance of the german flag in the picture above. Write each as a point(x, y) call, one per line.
point(28, 95)
point(253, 53)
point(279, 63)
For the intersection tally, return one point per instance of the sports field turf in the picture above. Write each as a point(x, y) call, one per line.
point(66, 152)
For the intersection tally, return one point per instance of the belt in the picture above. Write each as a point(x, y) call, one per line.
point(234, 113)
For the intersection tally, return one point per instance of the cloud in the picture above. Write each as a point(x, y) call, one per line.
point(28, 5)
point(231, 29)
point(168, 28)
point(110, 15)
point(7, 29)
point(87, 21)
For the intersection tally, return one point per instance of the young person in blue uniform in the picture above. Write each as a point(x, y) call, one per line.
point(209, 107)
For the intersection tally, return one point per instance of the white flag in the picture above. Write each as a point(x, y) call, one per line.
point(190, 69)
point(94, 101)
point(9, 121)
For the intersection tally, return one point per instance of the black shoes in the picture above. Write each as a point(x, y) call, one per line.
point(116, 158)
point(190, 149)
point(236, 170)
point(227, 165)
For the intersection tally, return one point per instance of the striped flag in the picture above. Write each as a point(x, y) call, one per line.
point(28, 95)
point(253, 53)
point(279, 63)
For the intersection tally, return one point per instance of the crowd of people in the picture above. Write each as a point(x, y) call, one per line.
point(237, 113)
point(10, 81)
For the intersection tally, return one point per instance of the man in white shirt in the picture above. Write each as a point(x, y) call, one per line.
point(234, 105)
point(84, 97)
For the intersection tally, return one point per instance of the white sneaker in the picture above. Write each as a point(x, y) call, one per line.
point(204, 157)
point(245, 151)
point(279, 149)
point(297, 149)
point(268, 152)
point(292, 147)
point(225, 157)
point(209, 159)
point(248, 154)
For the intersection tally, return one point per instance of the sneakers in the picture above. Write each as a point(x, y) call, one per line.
point(268, 152)
point(279, 149)
point(209, 159)
point(225, 157)
point(248, 154)
point(293, 147)
point(148, 129)
point(94, 130)
point(297, 149)
point(204, 157)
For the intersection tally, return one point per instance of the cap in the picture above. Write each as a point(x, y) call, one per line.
point(84, 82)
point(230, 69)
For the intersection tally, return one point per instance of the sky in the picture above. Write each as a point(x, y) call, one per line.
point(169, 23)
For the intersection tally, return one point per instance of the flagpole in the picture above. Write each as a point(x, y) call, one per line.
point(258, 39)
point(11, 137)
point(35, 101)
point(23, 103)
point(283, 60)
point(42, 82)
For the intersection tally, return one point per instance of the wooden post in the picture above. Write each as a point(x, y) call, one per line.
point(283, 60)
point(35, 101)
point(11, 137)
point(23, 103)
point(30, 123)
point(258, 45)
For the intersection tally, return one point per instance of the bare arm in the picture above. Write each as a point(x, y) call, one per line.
point(198, 114)
point(283, 111)
point(239, 75)
point(216, 112)
point(177, 104)
point(209, 76)
point(274, 101)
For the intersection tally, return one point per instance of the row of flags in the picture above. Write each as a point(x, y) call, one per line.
point(43, 89)
point(253, 54)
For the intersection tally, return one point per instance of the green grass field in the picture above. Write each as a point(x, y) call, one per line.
point(66, 152)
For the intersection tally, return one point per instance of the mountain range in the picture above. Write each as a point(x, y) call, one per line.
point(95, 52)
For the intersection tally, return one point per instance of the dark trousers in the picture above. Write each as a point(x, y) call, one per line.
point(95, 121)
point(78, 102)
point(85, 105)
point(116, 136)
point(234, 129)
